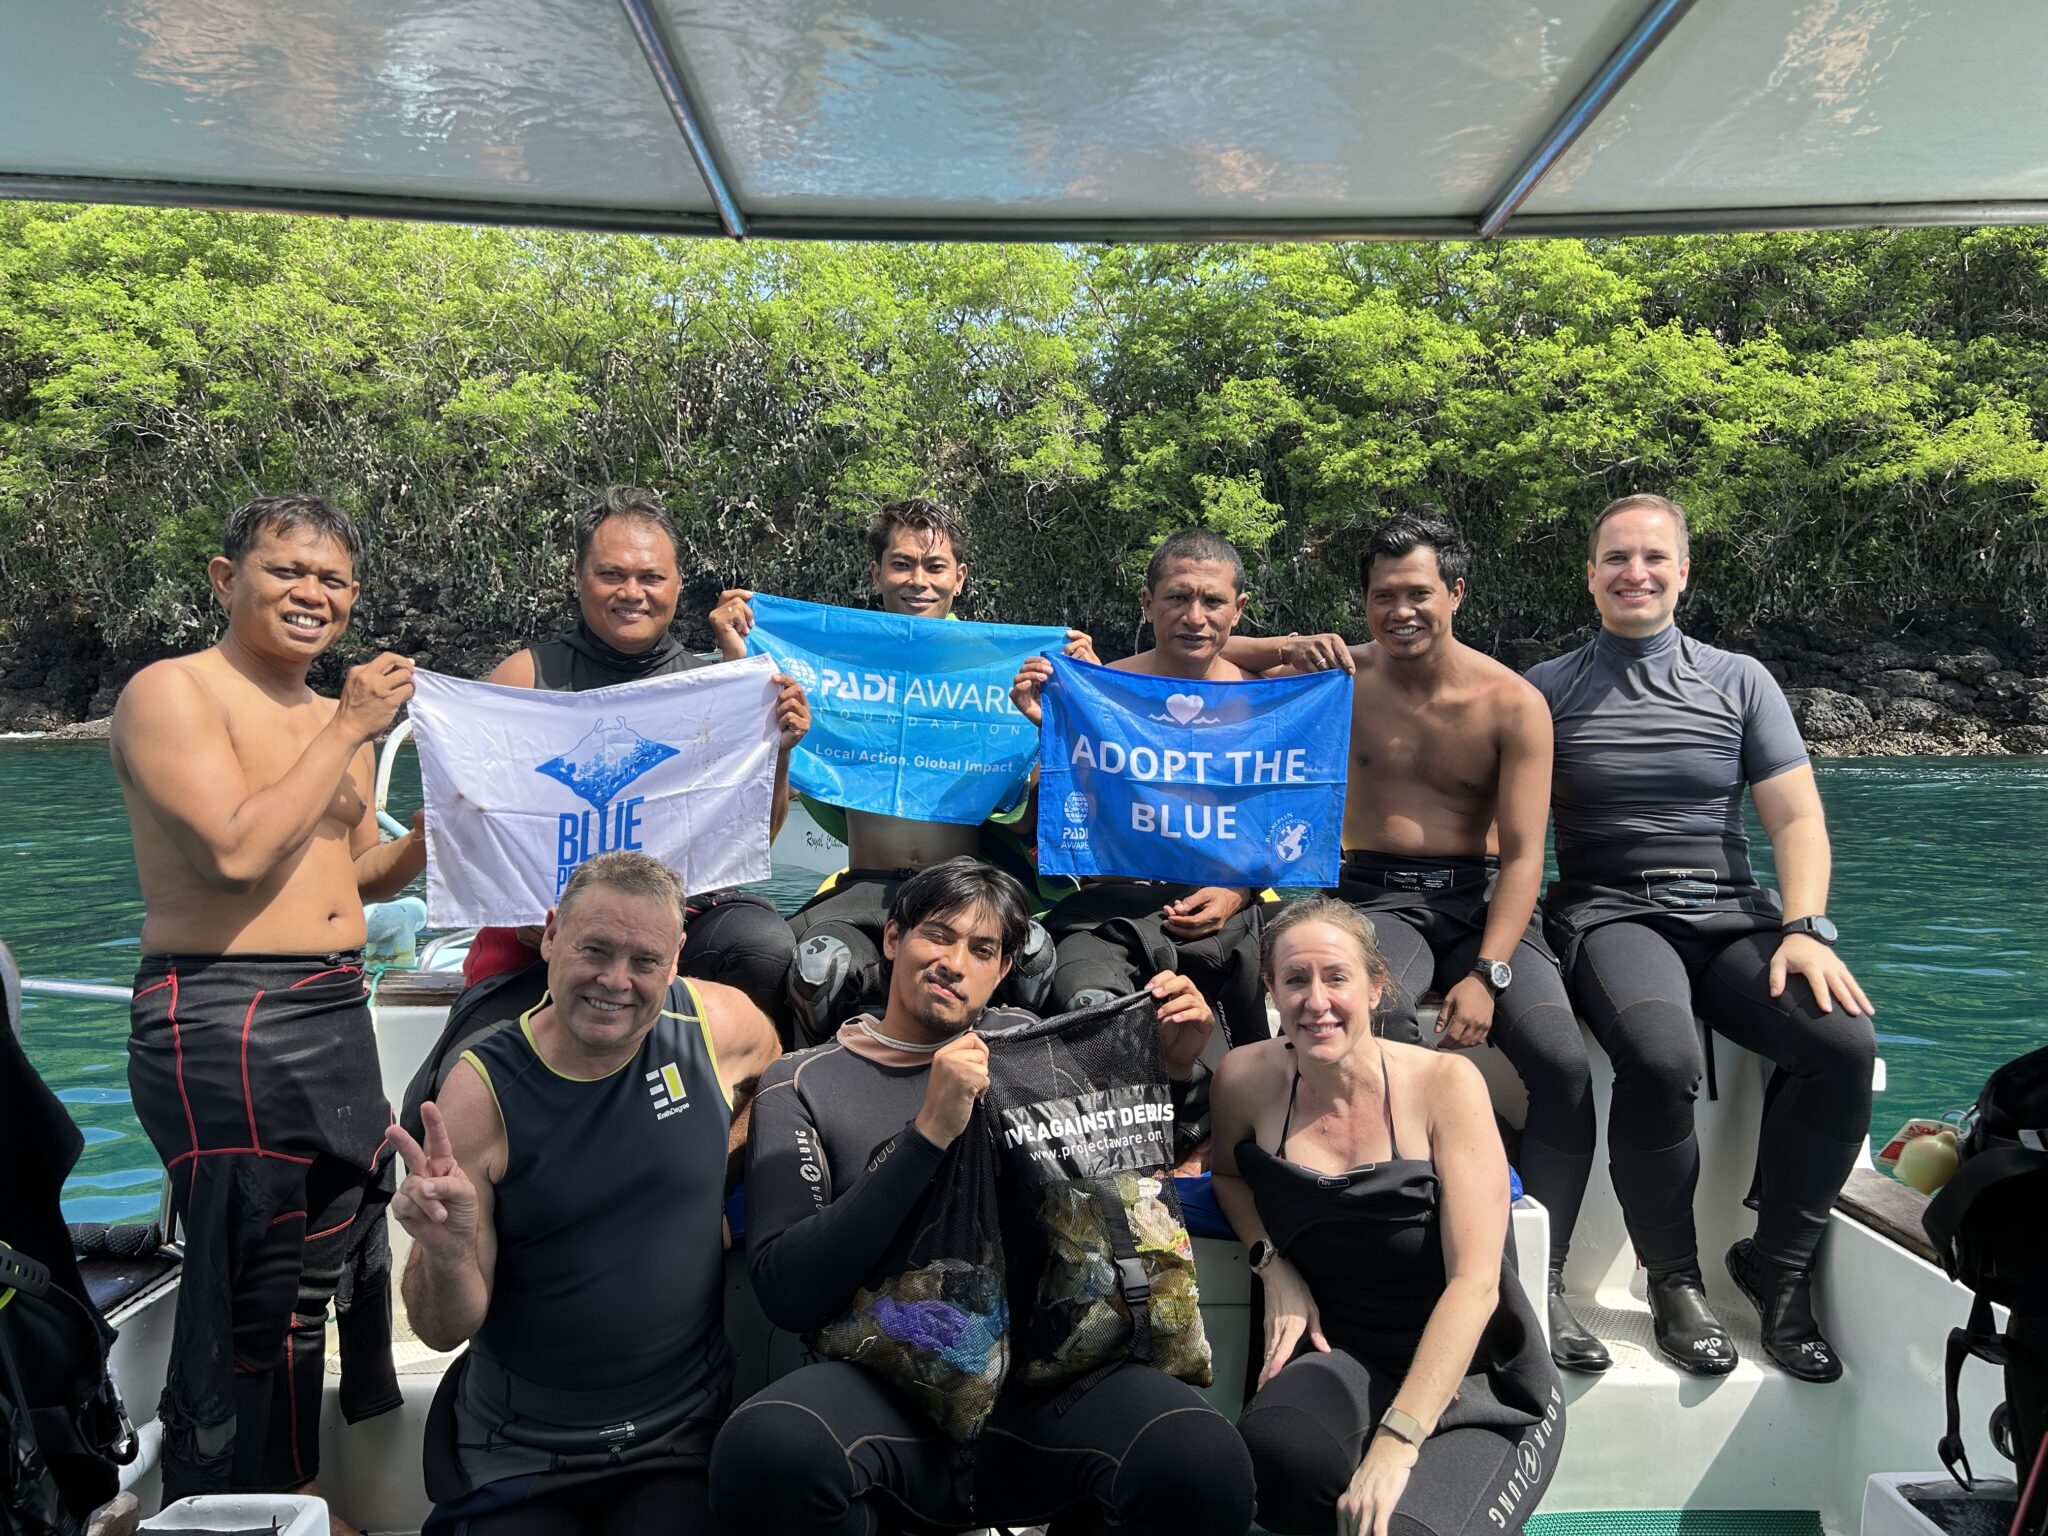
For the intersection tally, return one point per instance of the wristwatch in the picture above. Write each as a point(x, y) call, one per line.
point(1263, 1253)
point(1814, 927)
point(1403, 1426)
point(1497, 974)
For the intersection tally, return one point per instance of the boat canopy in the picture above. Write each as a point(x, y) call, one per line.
point(1044, 120)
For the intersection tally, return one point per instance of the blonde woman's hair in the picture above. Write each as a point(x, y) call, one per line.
point(1342, 916)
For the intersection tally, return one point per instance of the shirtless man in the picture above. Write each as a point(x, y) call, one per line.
point(628, 580)
point(589, 1283)
point(1444, 810)
point(1193, 598)
point(251, 1060)
point(917, 568)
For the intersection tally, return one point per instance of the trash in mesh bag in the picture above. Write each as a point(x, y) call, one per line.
point(1085, 1122)
point(933, 1319)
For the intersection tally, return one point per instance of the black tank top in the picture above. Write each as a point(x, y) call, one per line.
point(610, 1258)
point(578, 661)
point(1369, 1244)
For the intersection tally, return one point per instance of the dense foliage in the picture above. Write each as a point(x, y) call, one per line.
point(1858, 421)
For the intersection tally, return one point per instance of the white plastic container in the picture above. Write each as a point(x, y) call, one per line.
point(1886, 1511)
point(288, 1514)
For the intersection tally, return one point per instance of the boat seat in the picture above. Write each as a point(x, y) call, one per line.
point(110, 1281)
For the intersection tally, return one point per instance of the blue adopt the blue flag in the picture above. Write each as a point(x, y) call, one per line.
point(1202, 783)
point(909, 717)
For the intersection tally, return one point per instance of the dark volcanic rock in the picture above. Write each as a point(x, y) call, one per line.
point(1825, 715)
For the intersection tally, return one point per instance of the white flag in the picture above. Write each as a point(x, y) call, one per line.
point(523, 785)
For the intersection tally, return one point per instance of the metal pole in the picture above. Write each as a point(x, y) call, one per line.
point(1654, 27)
point(85, 989)
point(677, 95)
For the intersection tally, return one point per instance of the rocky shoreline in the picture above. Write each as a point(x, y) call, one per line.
point(1923, 686)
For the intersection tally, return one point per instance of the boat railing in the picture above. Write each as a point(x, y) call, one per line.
point(387, 759)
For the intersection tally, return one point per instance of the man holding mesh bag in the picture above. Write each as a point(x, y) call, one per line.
point(871, 1227)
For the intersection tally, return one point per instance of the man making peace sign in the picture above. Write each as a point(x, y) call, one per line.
point(565, 1214)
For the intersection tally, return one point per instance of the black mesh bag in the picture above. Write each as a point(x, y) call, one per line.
point(1084, 1122)
point(934, 1318)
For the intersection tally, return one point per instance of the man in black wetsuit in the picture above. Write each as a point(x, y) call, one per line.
point(846, 1139)
point(566, 1210)
point(627, 585)
point(1657, 913)
point(1114, 931)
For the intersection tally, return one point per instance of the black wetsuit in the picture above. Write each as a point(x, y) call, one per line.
point(1429, 915)
point(834, 1168)
point(1369, 1244)
point(606, 1305)
point(256, 1078)
point(731, 936)
point(1656, 913)
point(1113, 939)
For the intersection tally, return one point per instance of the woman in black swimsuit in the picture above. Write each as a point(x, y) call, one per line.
point(1406, 1387)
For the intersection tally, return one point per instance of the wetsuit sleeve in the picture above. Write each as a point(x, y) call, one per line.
point(1544, 678)
point(1771, 743)
point(809, 1246)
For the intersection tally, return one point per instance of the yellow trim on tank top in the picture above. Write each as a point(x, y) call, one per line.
point(476, 1063)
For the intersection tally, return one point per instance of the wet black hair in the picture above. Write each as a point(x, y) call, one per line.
point(1199, 544)
point(283, 512)
point(921, 515)
point(959, 885)
point(625, 501)
point(1409, 531)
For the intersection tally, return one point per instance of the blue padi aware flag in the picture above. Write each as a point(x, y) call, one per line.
point(909, 717)
point(1201, 783)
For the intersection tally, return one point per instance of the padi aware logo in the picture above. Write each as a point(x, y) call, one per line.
point(1077, 808)
point(1288, 839)
point(665, 1087)
point(802, 671)
point(608, 758)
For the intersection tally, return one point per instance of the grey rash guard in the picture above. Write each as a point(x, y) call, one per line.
point(1657, 738)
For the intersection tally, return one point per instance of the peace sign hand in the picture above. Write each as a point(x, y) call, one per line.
point(437, 1203)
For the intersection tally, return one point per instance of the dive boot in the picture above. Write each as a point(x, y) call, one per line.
point(1572, 1345)
point(817, 987)
point(1784, 1299)
point(1687, 1331)
point(1030, 978)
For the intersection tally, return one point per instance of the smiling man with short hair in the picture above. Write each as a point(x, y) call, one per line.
point(565, 1206)
point(628, 581)
point(251, 1060)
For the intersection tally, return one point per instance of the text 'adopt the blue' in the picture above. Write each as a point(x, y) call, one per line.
point(1199, 783)
point(909, 716)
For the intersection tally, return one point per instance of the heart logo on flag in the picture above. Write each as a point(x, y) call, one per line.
point(1184, 706)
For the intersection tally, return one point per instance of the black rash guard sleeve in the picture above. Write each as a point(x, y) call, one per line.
point(809, 1244)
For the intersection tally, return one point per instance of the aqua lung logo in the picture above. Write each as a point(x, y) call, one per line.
point(1288, 839)
point(665, 1087)
point(608, 758)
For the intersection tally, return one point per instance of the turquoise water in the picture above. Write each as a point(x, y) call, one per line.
point(1939, 891)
